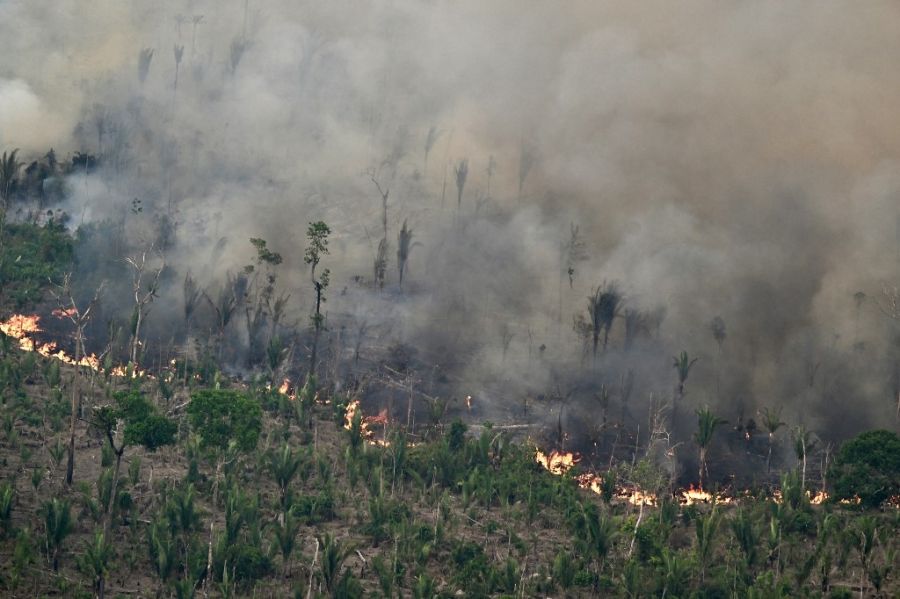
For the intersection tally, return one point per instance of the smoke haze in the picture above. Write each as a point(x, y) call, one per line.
point(719, 159)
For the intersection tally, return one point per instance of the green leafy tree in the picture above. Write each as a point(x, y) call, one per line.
point(867, 467)
point(228, 423)
point(143, 426)
point(317, 239)
point(222, 416)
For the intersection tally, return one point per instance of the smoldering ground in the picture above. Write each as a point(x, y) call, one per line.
point(718, 160)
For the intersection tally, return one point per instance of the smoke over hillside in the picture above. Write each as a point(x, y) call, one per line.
point(718, 160)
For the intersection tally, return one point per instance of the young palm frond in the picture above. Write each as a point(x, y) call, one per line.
point(747, 535)
point(95, 562)
point(57, 526)
point(283, 466)
point(334, 552)
point(706, 529)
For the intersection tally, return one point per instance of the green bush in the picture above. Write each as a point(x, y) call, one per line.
point(30, 257)
point(867, 467)
point(222, 416)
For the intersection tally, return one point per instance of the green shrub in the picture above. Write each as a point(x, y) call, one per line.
point(867, 467)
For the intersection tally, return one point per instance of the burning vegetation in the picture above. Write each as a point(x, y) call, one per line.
point(249, 345)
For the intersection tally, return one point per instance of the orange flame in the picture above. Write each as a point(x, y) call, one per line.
point(65, 312)
point(557, 462)
point(365, 422)
point(21, 327)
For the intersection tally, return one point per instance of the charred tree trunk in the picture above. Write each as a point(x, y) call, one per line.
point(70, 462)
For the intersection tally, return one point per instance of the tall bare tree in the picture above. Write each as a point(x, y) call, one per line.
point(144, 285)
point(79, 317)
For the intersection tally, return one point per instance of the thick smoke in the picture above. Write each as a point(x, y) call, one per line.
point(719, 159)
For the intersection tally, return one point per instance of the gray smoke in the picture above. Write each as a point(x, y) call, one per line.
point(720, 159)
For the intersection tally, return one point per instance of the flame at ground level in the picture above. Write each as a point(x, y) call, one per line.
point(21, 327)
point(559, 463)
point(366, 422)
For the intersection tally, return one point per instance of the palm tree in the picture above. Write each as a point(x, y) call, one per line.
point(144, 58)
point(57, 526)
point(462, 173)
point(604, 305)
point(706, 528)
point(707, 422)
point(717, 327)
point(772, 422)
point(867, 537)
point(747, 535)
point(283, 466)
point(333, 555)
point(285, 535)
point(97, 555)
point(682, 363)
point(602, 534)
point(9, 170)
point(404, 246)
